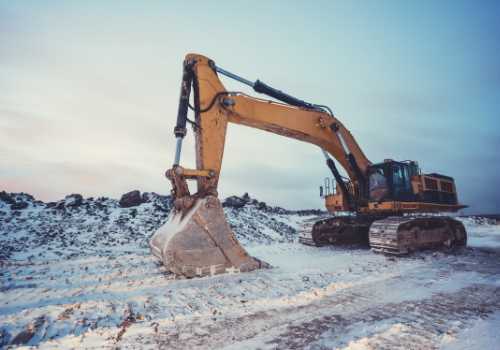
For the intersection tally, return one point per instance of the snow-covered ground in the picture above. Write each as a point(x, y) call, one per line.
point(82, 277)
point(483, 233)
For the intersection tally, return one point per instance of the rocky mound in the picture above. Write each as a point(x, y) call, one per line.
point(76, 227)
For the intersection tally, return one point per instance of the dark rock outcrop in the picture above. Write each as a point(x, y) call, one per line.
point(73, 200)
point(131, 199)
point(6, 198)
point(234, 201)
point(20, 205)
point(51, 205)
point(240, 202)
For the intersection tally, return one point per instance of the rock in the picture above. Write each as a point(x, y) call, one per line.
point(90, 199)
point(60, 205)
point(27, 197)
point(20, 205)
point(254, 201)
point(235, 202)
point(239, 203)
point(131, 199)
point(73, 200)
point(160, 208)
point(25, 336)
point(228, 202)
point(7, 198)
point(262, 205)
point(145, 197)
point(50, 205)
point(133, 212)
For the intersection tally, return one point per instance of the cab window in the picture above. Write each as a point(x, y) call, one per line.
point(407, 177)
point(378, 184)
point(398, 175)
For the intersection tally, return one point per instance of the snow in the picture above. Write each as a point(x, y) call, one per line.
point(84, 277)
point(482, 334)
point(481, 232)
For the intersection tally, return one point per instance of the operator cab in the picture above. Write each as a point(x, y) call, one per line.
point(391, 181)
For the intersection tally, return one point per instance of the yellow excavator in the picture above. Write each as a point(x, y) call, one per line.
point(394, 204)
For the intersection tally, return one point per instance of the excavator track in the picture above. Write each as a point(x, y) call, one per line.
point(335, 230)
point(402, 234)
point(306, 229)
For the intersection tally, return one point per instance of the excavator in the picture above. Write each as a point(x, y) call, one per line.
point(390, 205)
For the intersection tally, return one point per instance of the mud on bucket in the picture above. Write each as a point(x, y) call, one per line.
point(201, 243)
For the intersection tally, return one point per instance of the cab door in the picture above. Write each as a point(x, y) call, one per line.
point(410, 197)
point(398, 183)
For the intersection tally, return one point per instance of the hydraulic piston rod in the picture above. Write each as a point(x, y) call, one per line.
point(337, 177)
point(262, 88)
point(178, 151)
point(351, 159)
point(235, 77)
point(180, 128)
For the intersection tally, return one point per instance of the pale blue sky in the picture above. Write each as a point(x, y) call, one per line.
point(89, 90)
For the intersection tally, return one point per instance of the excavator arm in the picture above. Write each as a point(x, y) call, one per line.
point(215, 107)
point(197, 240)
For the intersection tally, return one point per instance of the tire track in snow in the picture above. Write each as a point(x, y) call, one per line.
point(350, 320)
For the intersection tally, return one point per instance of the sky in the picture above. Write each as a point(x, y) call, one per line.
point(89, 92)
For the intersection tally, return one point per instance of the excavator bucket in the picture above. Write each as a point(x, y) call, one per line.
point(201, 243)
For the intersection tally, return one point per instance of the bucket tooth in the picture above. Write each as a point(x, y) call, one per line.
point(219, 269)
point(205, 271)
point(201, 243)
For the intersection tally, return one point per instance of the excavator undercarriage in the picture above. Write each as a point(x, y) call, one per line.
point(390, 235)
point(400, 235)
point(335, 230)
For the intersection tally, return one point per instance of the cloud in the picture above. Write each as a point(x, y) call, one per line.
point(90, 98)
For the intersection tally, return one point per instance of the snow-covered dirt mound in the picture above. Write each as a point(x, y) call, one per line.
point(81, 276)
point(63, 230)
point(43, 232)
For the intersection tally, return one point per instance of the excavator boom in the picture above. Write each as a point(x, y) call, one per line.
point(197, 241)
